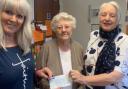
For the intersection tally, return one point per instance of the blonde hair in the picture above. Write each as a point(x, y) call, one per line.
point(64, 16)
point(114, 4)
point(24, 36)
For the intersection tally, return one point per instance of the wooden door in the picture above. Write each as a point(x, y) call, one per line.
point(45, 9)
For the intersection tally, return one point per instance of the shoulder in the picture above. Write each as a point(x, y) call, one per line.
point(76, 43)
point(50, 43)
point(122, 38)
point(125, 41)
point(94, 34)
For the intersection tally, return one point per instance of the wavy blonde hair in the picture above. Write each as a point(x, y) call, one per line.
point(24, 36)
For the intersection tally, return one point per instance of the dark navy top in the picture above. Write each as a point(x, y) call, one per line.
point(16, 69)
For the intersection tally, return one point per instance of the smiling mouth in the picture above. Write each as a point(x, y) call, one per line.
point(107, 24)
point(11, 25)
point(64, 34)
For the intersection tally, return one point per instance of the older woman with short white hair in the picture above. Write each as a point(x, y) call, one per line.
point(61, 54)
point(106, 58)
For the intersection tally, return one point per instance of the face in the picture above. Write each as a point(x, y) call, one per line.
point(64, 30)
point(11, 21)
point(108, 18)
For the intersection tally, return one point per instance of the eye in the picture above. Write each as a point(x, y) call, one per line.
point(60, 27)
point(112, 15)
point(9, 12)
point(103, 14)
point(67, 27)
point(19, 16)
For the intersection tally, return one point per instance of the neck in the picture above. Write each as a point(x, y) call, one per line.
point(10, 41)
point(64, 45)
point(111, 35)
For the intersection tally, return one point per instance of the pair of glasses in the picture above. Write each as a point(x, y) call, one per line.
point(63, 27)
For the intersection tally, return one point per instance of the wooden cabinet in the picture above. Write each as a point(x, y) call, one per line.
point(45, 9)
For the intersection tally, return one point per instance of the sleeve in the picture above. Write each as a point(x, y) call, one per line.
point(40, 63)
point(122, 59)
point(81, 55)
point(123, 62)
point(42, 58)
point(81, 62)
point(43, 84)
point(93, 36)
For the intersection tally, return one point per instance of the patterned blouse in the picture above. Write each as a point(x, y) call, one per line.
point(95, 46)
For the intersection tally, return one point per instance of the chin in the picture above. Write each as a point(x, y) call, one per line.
point(107, 29)
point(65, 39)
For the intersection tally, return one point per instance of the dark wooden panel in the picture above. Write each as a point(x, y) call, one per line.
point(45, 9)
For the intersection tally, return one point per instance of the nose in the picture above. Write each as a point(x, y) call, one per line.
point(107, 17)
point(13, 18)
point(63, 28)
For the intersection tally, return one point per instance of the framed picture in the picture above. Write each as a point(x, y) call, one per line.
point(94, 27)
point(94, 12)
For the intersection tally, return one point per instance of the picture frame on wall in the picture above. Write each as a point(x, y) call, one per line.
point(94, 12)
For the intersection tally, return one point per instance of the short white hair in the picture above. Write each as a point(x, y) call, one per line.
point(114, 4)
point(64, 16)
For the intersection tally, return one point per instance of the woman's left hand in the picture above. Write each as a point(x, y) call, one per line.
point(77, 76)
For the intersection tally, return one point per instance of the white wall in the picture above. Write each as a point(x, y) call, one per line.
point(32, 5)
point(79, 9)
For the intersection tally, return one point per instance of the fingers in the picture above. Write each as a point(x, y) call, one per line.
point(76, 76)
point(74, 73)
point(45, 75)
point(40, 73)
point(46, 72)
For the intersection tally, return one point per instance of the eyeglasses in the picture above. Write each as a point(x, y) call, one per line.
point(61, 27)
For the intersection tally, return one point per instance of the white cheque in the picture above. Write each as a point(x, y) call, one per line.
point(62, 81)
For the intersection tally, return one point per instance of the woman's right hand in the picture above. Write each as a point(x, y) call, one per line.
point(44, 72)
